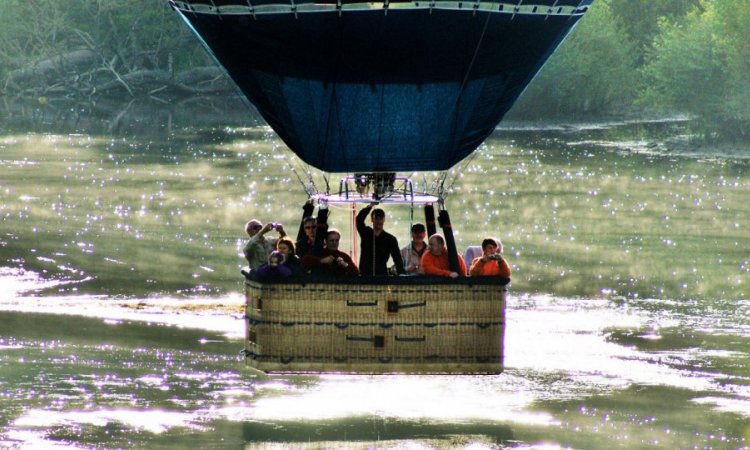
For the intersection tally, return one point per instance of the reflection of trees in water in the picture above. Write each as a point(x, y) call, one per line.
point(111, 67)
point(143, 117)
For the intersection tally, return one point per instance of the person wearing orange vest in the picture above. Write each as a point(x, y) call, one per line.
point(435, 260)
point(491, 263)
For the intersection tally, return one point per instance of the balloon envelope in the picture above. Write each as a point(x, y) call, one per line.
point(386, 87)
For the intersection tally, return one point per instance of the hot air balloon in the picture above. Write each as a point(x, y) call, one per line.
point(384, 86)
point(373, 89)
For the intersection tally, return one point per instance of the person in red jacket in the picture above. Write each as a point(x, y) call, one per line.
point(491, 262)
point(435, 261)
point(332, 261)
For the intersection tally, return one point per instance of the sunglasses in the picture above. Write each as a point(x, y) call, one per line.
point(256, 227)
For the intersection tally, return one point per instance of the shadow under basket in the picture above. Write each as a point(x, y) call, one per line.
point(377, 325)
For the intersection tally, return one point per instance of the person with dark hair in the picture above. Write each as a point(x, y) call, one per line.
point(377, 245)
point(332, 261)
point(273, 270)
point(291, 260)
point(491, 262)
point(258, 247)
point(412, 253)
point(307, 241)
point(435, 261)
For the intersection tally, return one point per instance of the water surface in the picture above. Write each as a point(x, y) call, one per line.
point(119, 310)
point(580, 373)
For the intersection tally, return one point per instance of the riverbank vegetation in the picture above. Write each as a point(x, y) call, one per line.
point(624, 59)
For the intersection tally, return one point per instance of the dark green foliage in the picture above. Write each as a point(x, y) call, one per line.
point(639, 20)
point(700, 66)
point(592, 73)
point(625, 57)
point(657, 57)
point(119, 37)
point(138, 33)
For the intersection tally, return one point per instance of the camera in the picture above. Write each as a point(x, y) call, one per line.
point(274, 225)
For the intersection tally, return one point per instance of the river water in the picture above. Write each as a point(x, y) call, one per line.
point(120, 305)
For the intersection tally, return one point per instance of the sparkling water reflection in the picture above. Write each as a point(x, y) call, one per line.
point(580, 373)
point(120, 305)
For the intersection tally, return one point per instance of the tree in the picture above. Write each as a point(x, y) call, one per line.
point(639, 20)
point(734, 19)
point(593, 71)
point(80, 48)
point(700, 66)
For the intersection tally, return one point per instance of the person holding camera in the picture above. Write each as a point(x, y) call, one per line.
point(273, 270)
point(258, 247)
point(491, 263)
point(332, 260)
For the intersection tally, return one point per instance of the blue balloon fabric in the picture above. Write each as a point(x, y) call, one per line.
point(387, 87)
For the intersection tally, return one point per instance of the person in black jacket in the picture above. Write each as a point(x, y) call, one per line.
point(291, 260)
point(377, 245)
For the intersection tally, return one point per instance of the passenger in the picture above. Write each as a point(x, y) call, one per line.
point(258, 248)
point(321, 231)
point(435, 261)
point(472, 252)
point(377, 245)
point(273, 270)
point(307, 241)
point(412, 253)
point(333, 261)
point(291, 260)
point(491, 262)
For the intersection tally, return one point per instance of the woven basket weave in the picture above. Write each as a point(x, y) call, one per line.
point(375, 328)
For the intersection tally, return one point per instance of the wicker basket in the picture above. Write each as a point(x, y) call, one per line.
point(400, 326)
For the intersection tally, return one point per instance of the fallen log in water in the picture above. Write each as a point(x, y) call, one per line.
point(79, 75)
point(69, 63)
point(200, 81)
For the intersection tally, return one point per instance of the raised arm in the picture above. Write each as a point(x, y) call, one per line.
point(361, 216)
point(307, 210)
